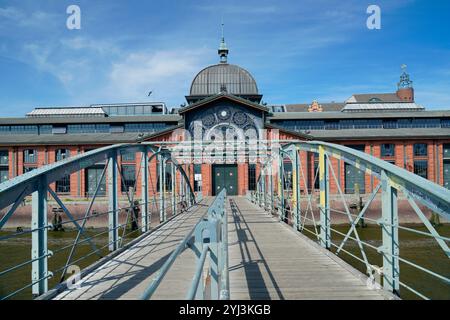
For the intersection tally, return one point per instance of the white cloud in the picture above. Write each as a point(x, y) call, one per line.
point(20, 18)
point(166, 73)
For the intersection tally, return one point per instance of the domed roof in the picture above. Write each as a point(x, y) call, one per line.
point(223, 77)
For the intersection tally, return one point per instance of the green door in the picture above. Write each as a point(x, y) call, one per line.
point(225, 176)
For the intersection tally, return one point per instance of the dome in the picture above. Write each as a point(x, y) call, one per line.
point(221, 78)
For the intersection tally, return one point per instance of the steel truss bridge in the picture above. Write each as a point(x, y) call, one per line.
point(271, 244)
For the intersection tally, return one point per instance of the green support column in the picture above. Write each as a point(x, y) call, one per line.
point(39, 250)
point(325, 219)
point(390, 248)
point(296, 189)
point(145, 216)
point(113, 203)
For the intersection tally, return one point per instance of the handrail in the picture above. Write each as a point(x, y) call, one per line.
point(174, 200)
point(215, 214)
point(390, 182)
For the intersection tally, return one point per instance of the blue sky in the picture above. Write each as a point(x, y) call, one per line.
point(297, 50)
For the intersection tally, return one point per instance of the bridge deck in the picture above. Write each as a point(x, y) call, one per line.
point(268, 260)
point(127, 275)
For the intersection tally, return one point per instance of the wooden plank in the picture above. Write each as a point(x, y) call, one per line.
point(127, 275)
point(269, 261)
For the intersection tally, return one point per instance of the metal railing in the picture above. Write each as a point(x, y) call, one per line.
point(208, 239)
point(114, 227)
point(299, 207)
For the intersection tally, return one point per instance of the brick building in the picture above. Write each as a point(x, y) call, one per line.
point(224, 99)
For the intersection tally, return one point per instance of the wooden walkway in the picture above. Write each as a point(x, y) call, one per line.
point(268, 260)
point(127, 275)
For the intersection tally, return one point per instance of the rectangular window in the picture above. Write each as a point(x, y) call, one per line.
point(445, 123)
point(59, 130)
point(128, 157)
point(63, 185)
point(346, 124)
point(45, 129)
point(421, 168)
point(389, 124)
point(287, 175)
point(28, 169)
point(24, 129)
point(388, 150)
point(252, 177)
point(30, 156)
point(4, 157)
point(4, 174)
point(332, 125)
point(116, 129)
point(129, 177)
point(315, 174)
point(62, 154)
point(404, 123)
point(447, 151)
point(420, 150)
point(197, 177)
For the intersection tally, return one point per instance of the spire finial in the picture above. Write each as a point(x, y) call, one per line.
point(223, 50)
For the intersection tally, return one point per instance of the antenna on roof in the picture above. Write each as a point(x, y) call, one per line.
point(223, 49)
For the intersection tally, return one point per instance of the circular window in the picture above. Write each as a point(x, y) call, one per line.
point(209, 120)
point(224, 115)
point(239, 118)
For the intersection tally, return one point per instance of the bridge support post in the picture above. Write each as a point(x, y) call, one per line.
point(390, 248)
point(261, 189)
point(145, 218)
point(296, 189)
point(174, 184)
point(281, 208)
point(113, 203)
point(272, 205)
point(39, 250)
point(162, 187)
point(325, 219)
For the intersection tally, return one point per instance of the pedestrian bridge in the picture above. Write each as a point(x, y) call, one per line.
point(267, 260)
point(271, 244)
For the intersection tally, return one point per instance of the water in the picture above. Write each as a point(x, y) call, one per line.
point(18, 250)
point(420, 249)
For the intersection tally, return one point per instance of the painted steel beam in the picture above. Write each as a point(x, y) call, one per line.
point(113, 203)
point(390, 248)
point(325, 218)
point(39, 250)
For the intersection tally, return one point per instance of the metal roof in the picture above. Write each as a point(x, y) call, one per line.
point(366, 97)
point(223, 96)
point(223, 77)
point(358, 107)
point(67, 112)
point(75, 120)
point(378, 134)
point(369, 114)
point(303, 107)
